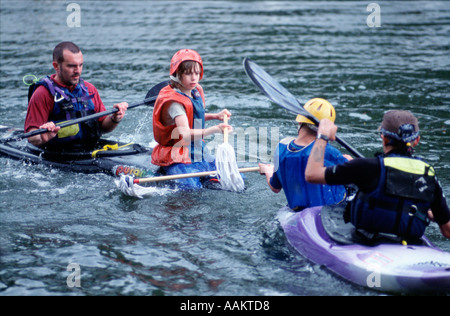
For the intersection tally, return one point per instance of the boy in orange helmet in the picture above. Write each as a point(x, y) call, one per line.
point(179, 121)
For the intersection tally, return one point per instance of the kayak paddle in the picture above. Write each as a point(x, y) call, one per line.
point(281, 96)
point(150, 99)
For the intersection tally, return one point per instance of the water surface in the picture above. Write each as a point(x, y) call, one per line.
point(208, 242)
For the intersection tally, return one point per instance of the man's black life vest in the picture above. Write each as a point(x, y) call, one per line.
point(400, 203)
point(70, 105)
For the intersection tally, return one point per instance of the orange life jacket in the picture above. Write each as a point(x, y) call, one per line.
point(169, 149)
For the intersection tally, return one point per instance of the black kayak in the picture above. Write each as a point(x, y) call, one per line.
point(110, 157)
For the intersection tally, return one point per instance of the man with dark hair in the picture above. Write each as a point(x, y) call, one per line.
point(58, 51)
point(395, 190)
point(65, 96)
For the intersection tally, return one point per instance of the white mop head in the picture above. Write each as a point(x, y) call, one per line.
point(126, 185)
point(227, 169)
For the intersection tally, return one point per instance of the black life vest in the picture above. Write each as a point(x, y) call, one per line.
point(400, 203)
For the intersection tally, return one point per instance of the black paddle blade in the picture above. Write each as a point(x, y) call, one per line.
point(274, 90)
point(281, 96)
point(154, 91)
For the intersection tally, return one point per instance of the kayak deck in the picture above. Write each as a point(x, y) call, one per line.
point(109, 157)
point(384, 267)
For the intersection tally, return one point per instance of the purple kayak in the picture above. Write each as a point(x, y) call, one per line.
point(388, 267)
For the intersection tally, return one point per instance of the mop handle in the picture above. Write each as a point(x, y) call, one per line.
point(225, 131)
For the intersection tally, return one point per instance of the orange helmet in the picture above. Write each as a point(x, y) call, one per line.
point(183, 55)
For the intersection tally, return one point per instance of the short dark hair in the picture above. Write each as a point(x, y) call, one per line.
point(186, 67)
point(58, 55)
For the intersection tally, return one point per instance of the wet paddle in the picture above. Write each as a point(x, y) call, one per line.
point(149, 100)
point(281, 96)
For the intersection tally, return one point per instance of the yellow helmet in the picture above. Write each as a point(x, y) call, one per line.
point(319, 108)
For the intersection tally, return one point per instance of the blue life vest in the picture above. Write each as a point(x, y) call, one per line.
point(198, 150)
point(401, 200)
point(290, 162)
point(71, 105)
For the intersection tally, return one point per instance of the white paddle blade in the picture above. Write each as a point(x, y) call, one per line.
point(126, 185)
point(227, 169)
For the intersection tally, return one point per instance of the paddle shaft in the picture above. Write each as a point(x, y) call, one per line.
point(189, 175)
point(83, 119)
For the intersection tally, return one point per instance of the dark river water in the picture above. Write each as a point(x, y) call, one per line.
point(207, 243)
